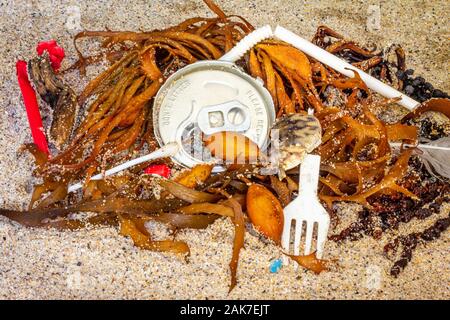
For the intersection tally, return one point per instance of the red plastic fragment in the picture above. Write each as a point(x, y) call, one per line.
point(55, 52)
point(159, 169)
point(32, 108)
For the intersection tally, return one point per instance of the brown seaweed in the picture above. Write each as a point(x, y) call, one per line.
point(61, 98)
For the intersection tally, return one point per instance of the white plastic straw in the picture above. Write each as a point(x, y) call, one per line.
point(342, 66)
point(420, 146)
point(246, 43)
point(168, 150)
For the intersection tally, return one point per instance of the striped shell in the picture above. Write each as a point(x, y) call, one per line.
point(298, 134)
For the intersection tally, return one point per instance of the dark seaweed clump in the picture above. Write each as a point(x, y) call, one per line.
point(389, 211)
point(417, 87)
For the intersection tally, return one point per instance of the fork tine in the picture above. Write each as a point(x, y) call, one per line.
point(298, 236)
point(308, 237)
point(322, 232)
point(321, 237)
point(286, 240)
point(285, 236)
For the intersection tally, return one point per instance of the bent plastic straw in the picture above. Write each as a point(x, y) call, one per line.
point(246, 43)
point(342, 66)
point(168, 150)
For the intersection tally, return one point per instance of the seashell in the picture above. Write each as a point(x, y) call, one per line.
point(297, 134)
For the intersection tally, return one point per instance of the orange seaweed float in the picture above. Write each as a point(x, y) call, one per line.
point(265, 212)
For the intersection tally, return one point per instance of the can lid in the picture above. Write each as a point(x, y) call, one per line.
point(208, 97)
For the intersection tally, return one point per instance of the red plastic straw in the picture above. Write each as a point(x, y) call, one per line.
point(56, 55)
point(31, 105)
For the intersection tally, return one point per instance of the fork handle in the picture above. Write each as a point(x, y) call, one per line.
point(309, 175)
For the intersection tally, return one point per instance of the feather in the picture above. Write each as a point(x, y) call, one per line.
point(435, 155)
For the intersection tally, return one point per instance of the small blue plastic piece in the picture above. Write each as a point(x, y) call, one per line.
point(275, 265)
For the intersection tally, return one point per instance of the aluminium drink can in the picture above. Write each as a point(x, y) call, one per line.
point(207, 97)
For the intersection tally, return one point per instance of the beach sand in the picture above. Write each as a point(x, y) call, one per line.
point(100, 264)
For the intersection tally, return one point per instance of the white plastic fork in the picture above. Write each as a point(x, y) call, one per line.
point(306, 208)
